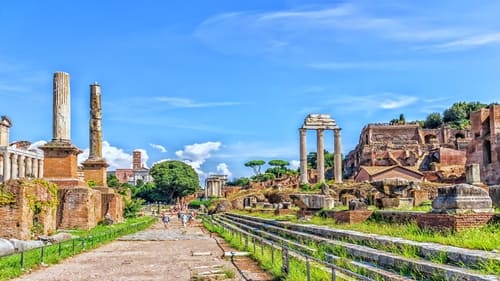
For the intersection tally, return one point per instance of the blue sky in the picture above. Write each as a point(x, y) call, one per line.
point(217, 83)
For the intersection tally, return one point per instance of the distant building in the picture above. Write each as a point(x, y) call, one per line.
point(138, 171)
point(373, 173)
point(214, 185)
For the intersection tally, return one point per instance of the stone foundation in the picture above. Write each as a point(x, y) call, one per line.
point(17, 218)
point(281, 212)
point(457, 222)
point(351, 217)
point(419, 196)
point(111, 203)
point(95, 170)
point(79, 207)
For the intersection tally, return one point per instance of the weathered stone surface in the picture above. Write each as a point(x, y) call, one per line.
point(59, 237)
point(453, 222)
point(462, 198)
point(6, 247)
point(495, 195)
point(21, 245)
point(351, 217)
point(358, 204)
point(238, 204)
point(312, 201)
point(79, 207)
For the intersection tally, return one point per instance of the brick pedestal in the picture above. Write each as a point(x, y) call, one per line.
point(95, 170)
point(351, 217)
point(60, 160)
point(111, 203)
point(443, 222)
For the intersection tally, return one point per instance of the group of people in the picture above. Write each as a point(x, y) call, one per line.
point(183, 215)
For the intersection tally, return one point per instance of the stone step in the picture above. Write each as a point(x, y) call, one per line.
point(374, 256)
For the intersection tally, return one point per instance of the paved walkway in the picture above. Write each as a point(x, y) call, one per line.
point(153, 254)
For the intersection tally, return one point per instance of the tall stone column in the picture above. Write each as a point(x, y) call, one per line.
point(22, 167)
point(14, 168)
point(34, 166)
point(320, 156)
point(61, 130)
point(95, 122)
point(303, 156)
point(40, 168)
point(29, 167)
point(337, 156)
point(6, 166)
point(1, 165)
point(94, 168)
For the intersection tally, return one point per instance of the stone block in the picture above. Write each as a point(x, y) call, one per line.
point(472, 174)
point(312, 201)
point(6, 247)
point(351, 217)
point(462, 198)
point(419, 196)
point(281, 212)
point(112, 204)
point(494, 192)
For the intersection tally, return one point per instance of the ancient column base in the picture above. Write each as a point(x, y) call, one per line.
point(95, 170)
point(79, 207)
point(453, 222)
point(60, 160)
point(351, 216)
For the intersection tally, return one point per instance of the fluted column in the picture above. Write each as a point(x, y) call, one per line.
point(303, 156)
point(1, 164)
point(14, 167)
point(22, 167)
point(337, 156)
point(40, 168)
point(320, 156)
point(62, 109)
point(95, 151)
point(34, 166)
point(29, 169)
point(6, 166)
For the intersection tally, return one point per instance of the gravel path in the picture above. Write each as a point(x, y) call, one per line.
point(153, 254)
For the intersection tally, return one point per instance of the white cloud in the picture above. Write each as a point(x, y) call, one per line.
point(222, 168)
point(370, 103)
point(392, 102)
point(114, 156)
point(196, 154)
point(294, 164)
point(37, 144)
point(159, 147)
point(473, 41)
point(188, 103)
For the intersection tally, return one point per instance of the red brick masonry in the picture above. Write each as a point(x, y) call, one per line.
point(453, 222)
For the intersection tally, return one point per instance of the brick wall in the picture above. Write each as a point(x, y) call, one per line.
point(350, 217)
point(453, 222)
point(17, 219)
point(79, 207)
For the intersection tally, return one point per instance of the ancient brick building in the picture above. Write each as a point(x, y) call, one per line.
point(409, 145)
point(484, 149)
point(138, 171)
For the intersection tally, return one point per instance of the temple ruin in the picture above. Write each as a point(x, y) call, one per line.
point(17, 160)
point(320, 123)
point(409, 145)
point(214, 185)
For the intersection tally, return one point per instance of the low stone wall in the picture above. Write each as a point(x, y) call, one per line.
point(350, 217)
point(28, 208)
point(453, 222)
point(111, 203)
point(79, 207)
point(400, 217)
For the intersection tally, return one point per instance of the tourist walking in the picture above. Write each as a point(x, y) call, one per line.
point(165, 219)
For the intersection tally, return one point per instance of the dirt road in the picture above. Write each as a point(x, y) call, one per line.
point(154, 254)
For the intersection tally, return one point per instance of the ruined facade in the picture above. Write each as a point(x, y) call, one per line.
point(409, 145)
point(214, 185)
point(484, 149)
point(17, 160)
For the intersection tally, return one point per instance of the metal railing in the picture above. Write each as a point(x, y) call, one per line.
point(59, 250)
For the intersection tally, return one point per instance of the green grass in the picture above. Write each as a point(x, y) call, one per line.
point(10, 266)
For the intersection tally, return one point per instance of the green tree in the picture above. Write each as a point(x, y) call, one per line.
point(433, 121)
point(113, 181)
point(173, 179)
point(312, 156)
point(402, 119)
point(243, 181)
point(278, 167)
point(458, 114)
point(256, 165)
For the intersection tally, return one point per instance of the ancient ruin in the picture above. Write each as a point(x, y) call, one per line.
point(17, 160)
point(320, 123)
point(214, 185)
point(484, 149)
point(136, 174)
point(438, 153)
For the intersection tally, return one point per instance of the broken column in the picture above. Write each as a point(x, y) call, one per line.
point(94, 167)
point(79, 206)
point(303, 156)
point(337, 156)
point(320, 155)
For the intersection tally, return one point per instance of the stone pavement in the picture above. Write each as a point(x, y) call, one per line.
point(154, 254)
